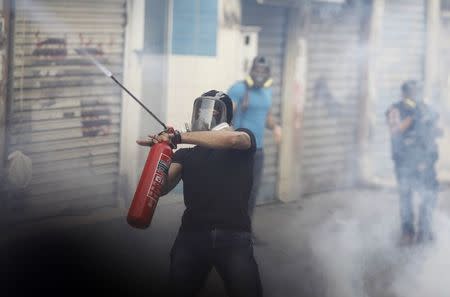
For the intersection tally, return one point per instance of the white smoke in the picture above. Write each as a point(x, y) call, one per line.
point(426, 274)
point(357, 253)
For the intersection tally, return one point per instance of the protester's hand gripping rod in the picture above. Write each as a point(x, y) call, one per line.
point(110, 75)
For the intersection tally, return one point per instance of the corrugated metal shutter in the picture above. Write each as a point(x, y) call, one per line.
point(271, 43)
point(400, 57)
point(331, 107)
point(65, 114)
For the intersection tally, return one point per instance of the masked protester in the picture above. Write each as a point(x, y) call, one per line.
point(413, 127)
point(252, 103)
point(217, 179)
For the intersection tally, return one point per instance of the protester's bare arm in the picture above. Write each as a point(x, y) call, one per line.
point(210, 139)
point(173, 178)
point(405, 124)
point(276, 129)
point(397, 125)
point(218, 139)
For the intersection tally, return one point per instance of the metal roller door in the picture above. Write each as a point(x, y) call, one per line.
point(64, 113)
point(271, 43)
point(331, 106)
point(400, 58)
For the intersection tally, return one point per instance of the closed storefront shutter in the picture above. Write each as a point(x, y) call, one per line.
point(332, 94)
point(399, 58)
point(272, 21)
point(65, 114)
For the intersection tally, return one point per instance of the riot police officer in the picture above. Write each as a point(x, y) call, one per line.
point(413, 127)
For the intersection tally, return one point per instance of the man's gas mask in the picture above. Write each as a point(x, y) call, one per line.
point(259, 73)
point(209, 113)
point(412, 93)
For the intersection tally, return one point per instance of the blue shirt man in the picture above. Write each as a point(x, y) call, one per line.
point(252, 102)
point(254, 119)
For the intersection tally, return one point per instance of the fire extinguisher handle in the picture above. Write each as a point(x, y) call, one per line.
point(172, 145)
point(170, 130)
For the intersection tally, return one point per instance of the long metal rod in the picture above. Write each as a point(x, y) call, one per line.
point(138, 101)
point(109, 74)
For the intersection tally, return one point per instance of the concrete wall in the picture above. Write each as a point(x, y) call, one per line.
point(168, 84)
point(189, 76)
point(131, 111)
point(293, 101)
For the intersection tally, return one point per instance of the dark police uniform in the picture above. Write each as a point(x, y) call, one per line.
point(415, 153)
point(215, 229)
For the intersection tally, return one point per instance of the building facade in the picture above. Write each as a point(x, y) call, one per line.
point(337, 65)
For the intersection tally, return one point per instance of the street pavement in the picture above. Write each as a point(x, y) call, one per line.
point(334, 244)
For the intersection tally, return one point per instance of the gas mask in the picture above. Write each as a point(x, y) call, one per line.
point(209, 113)
point(259, 73)
point(412, 93)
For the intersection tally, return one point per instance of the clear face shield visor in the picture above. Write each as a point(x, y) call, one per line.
point(207, 113)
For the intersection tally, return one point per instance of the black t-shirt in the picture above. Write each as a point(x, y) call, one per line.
point(216, 187)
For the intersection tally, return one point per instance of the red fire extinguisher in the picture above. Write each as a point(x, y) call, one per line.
point(149, 188)
point(155, 170)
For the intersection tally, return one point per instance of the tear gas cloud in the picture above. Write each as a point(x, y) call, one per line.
point(355, 251)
